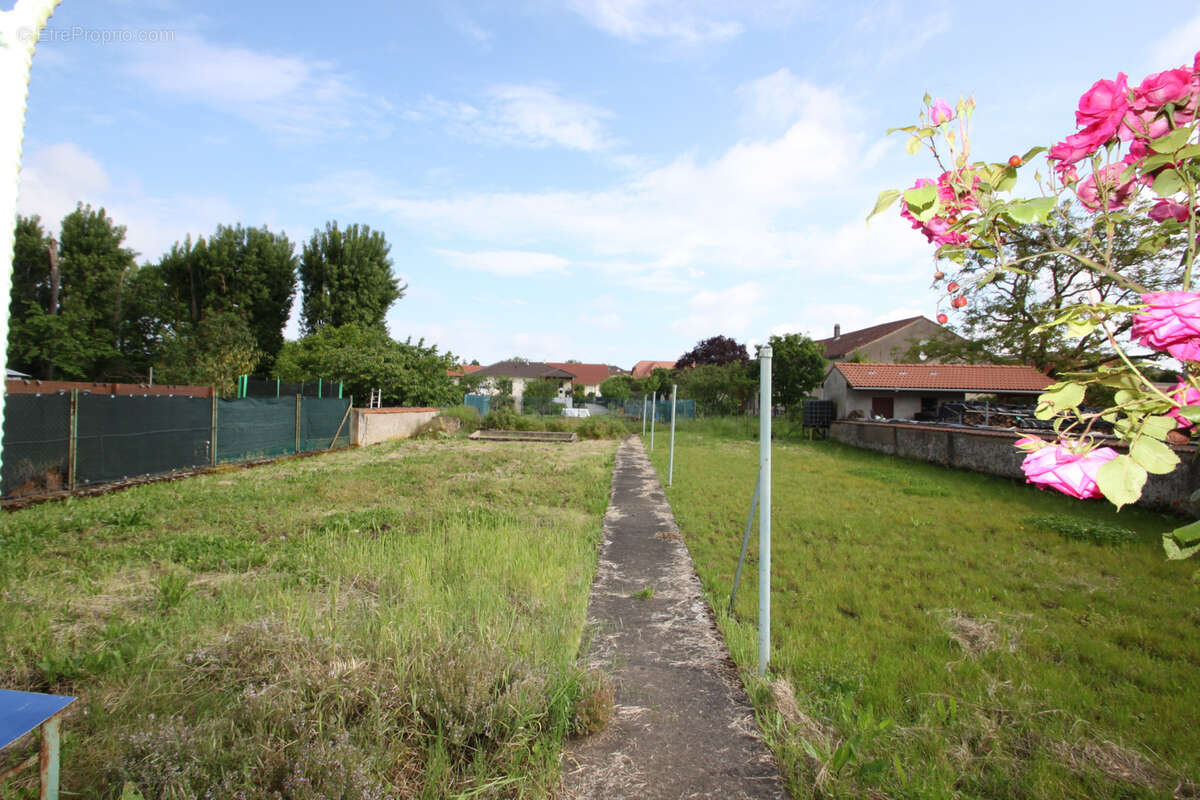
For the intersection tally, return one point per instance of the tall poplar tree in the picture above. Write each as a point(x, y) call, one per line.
point(347, 278)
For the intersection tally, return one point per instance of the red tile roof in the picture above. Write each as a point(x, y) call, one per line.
point(586, 374)
point(852, 340)
point(465, 369)
point(947, 377)
point(644, 368)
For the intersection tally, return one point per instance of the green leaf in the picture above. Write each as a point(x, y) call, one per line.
point(1150, 163)
point(1188, 534)
point(1175, 552)
point(1159, 427)
point(906, 129)
point(1077, 329)
point(1068, 395)
point(1027, 212)
point(1191, 151)
point(912, 146)
point(920, 197)
point(1008, 179)
point(1190, 413)
point(886, 198)
point(1172, 141)
point(1031, 152)
point(1155, 456)
point(1168, 182)
point(1121, 480)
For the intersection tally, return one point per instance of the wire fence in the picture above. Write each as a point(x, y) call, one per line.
point(249, 386)
point(62, 441)
point(685, 408)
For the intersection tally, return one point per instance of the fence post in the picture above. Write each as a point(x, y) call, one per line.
point(340, 384)
point(297, 423)
point(73, 440)
point(213, 439)
point(276, 387)
point(643, 416)
point(320, 386)
point(764, 509)
point(671, 461)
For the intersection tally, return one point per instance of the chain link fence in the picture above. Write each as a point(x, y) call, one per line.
point(60, 441)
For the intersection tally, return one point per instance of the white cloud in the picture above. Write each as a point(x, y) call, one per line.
point(525, 116)
point(58, 176)
point(506, 263)
point(780, 98)
point(732, 311)
point(904, 31)
point(682, 21)
point(1179, 46)
point(291, 96)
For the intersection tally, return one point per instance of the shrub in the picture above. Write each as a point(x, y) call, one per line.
point(467, 416)
point(506, 419)
point(606, 427)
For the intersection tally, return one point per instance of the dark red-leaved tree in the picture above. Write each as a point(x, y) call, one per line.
point(714, 350)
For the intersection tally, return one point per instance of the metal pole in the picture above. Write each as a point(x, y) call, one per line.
point(737, 576)
point(653, 414)
point(340, 384)
point(213, 439)
point(297, 423)
point(276, 387)
point(671, 460)
point(764, 515)
point(152, 376)
point(643, 416)
point(73, 441)
point(49, 758)
point(320, 386)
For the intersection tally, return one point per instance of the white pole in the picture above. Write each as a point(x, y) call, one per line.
point(671, 461)
point(764, 509)
point(653, 416)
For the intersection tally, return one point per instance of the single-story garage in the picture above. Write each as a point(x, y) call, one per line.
point(900, 391)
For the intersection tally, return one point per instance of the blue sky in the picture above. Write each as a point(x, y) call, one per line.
point(601, 180)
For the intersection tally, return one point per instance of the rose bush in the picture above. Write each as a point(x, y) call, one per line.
point(1129, 142)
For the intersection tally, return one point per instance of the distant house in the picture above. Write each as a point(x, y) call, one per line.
point(899, 391)
point(463, 371)
point(882, 344)
point(588, 376)
point(642, 369)
point(520, 373)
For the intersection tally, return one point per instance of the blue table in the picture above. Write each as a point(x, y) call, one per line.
point(21, 713)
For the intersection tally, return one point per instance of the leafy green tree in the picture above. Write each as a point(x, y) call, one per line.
point(718, 388)
point(248, 271)
point(539, 395)
point(366, 358)
point(77, 338)
point(347, 278)
point(213, 352)
point(616, 388)
point(797, 367)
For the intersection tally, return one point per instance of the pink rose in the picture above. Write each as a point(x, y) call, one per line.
point(1186, 395)
point(1172, 86)
point(1166, 209)
point(1061, 469)
point(1108, 178)
point(1170, 323)
point(940, 112)
point(1106, 101)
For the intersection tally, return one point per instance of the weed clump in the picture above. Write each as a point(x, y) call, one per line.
point(594, 708)
point(468, 417)
point(1083, 530)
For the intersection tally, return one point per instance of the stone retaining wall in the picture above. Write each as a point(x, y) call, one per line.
point(992, 451)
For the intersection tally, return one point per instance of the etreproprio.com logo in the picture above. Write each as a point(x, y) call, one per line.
point(78, 33)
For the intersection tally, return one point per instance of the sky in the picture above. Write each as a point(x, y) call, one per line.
point(594, 180)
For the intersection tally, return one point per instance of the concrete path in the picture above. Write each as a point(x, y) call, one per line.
point(683, 727)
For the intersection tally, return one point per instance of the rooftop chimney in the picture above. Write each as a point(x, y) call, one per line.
point(837, 331)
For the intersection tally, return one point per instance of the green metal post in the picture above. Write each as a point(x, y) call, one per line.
point(277, 388)
point(297, 423)
point(73, 441)
point(320, 386)
point(213, 438)
point(49, 758)
point(340, 390)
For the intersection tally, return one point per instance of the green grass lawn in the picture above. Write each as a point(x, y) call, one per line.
point(935, 635)
point(401, 620)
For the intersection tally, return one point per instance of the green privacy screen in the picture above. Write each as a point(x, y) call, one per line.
point(265, 427)
point(37, 432)
point(119, 437)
